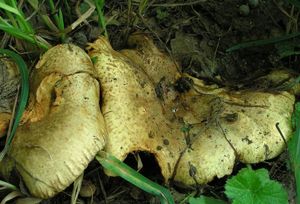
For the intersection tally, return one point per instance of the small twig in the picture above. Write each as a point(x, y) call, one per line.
point(282, 10)
point(281, 134)
point(82, 18)
point(228, 141)
point(78, 13)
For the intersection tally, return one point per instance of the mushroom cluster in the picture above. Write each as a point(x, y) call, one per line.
point(195, 131)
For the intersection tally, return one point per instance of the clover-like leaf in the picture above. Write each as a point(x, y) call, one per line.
point(254, 186)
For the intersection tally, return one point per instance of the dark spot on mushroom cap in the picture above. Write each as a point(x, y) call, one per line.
point(151, 134)
point(231, 117)
point(159, 148)
point(246, 139)
point(166, 142)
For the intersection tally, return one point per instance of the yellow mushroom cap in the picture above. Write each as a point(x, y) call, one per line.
point(63, 127)
point(194, 136)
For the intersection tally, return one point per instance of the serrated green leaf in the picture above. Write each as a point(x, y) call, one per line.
point(249, 187)
point(205, 200)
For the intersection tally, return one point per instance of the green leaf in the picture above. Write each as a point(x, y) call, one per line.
point(249, 187)
point(205, 200)
point(101, 18)
point(294, 148)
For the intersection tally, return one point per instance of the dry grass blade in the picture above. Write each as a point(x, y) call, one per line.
point(82, 18)
point(76, 189)
point(11, 196)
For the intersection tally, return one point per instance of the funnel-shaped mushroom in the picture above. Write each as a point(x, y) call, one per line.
point(194, 136)
point(63, 127)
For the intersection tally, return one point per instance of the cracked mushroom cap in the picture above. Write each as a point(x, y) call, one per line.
point(133, 114)
point(194, 136)
point(63, 127)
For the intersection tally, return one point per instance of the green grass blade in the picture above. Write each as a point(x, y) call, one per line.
point(262, 42)
point(142, 6)
point(13, 3)
point(8, 185)
point(68, 10)
point(16, 32)
point(294, 149)
point(8, 8)
point(52, 8)
point(21, 19)
point(101, 19)
point(22, 99)
point(46, 19)
point(24, 25)
point(59, 19)
point(61, 24)
point(12, 19)
point(4, 22)
point(18, 20)
point(116, 166)
point(23, 36)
